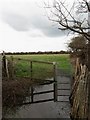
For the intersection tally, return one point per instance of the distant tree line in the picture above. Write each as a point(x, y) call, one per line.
point(39, 52)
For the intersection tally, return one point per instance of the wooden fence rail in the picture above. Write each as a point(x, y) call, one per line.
point(9, 68)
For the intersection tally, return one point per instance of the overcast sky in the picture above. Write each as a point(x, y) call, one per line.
point(24, 26)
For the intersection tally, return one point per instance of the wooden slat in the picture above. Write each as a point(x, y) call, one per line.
point(34, 61)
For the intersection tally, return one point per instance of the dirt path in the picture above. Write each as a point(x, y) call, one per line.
point(63, 92)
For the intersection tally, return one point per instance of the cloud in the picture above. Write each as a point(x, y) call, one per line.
point(18, 22)
point(23, 23)
point(23, 27)
point(12, 40)
point(27, 17)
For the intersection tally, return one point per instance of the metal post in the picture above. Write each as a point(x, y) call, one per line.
point(54, 67)
point(55, 83)
point(31, 94)
point(31, 86)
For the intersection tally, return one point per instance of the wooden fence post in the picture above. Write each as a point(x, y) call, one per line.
point(89, 96)
point(31, 69)
point(12, 62)
point(88, 65)
point(11, 68)
point(5, 66)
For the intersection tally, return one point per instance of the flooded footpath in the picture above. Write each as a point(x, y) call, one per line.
point(51, 104)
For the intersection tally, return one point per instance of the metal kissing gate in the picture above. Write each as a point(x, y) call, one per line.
point(31, 69)
point(47, 81)
point(53, 82)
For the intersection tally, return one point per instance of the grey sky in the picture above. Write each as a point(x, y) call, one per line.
point(28, 17)
point(33, 20)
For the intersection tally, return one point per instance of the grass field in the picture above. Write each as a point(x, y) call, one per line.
point(22, 68)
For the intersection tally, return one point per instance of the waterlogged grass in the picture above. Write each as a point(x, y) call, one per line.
point(41, 70)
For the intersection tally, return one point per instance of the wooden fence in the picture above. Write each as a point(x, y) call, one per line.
point(80, 91)
point(11, 69)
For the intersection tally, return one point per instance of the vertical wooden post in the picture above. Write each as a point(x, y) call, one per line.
point(7, 72)
point(88, 64)
point(55, 83)
point(31, 69)
point(88, 56)
point(88, 38)
point(12, 67)
point(0, 86)
point(5, 67)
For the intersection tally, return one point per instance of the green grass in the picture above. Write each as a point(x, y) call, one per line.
point(22, 68)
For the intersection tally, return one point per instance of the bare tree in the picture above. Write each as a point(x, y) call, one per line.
point(74, 18)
